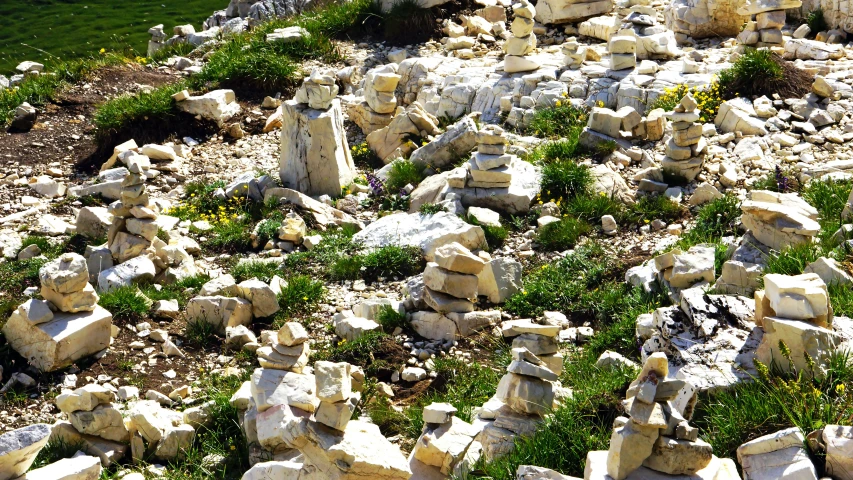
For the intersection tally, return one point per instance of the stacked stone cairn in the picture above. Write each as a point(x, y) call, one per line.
point(134, 226)
point(685, 151)
point(298, 425)
point(523, 40)
point(575, 54)
point(656, 438)
point(447, 444)
point(287, 349)
point(490, 166)
point(526, 393)
point(318, 90)
point(450, 282)
point(380, 104)
point(226, 305)
point(796, 315)
point(606, 125)
point(337, 398)
point(623, 52)
point(766, 29)
point(315, 157)
point(67, 325)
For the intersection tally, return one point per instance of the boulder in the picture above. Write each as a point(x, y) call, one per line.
point(333, 381)
point(777, 455)
point(104, 421)
point(135, 270)
point(81, 467)
point(94, 222)
point(705, 18)
point(107, 451)
point(801, 338)
point(351, 328)
point(444, 445)
point(19, 448)
point(217, 106)
point(568, 11)
point(459, 285)
point(526, 394)
point(500, 279)
point(220, 311)
point(428, 232)
point(799, 297)
point(85, 398)
point(67, 274)
point(61, 341)
point(264, 300)
point(275, 387)
point(458, 140)
point(284, 470)
point(393, 141)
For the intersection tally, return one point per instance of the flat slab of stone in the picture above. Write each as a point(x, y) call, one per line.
point(425, 231)
point(62, 341)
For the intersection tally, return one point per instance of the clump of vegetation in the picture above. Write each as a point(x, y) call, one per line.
point(263, 271)
point(299, 297)
point(563, 120)
point(762, 72)
point(652, 207)
point(364, 157)
point(392, 261)
point(431, 208)
point(125, 303)
point(402, 173)
point(714, 220)
point(391, 319)
point(564, 180)
point(816, 21)
point(563, 234)
point(708, 97)
point(200, 333)
point(829, 198)
point(782, 181)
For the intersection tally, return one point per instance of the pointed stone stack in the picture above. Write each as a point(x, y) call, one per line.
point(575, 54)
point(795, 311)
point(490, 166)
point(623, 52)
point(380, 104)
point(337, 398)
point(537, 338)
point(446, 444)
point(287, 350)
point(134, 226)
point(450, 282)
point(67, 325)
point(318, 90)
point(766, 29)
point(655, 435)
point(685, 151)
point(523, 40)
point(528, 391)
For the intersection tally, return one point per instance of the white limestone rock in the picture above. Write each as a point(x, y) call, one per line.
point(274, 387)
point(428, 232)
point(19, 448)
point(221, 312)
point(80, 467)
point(218, 106)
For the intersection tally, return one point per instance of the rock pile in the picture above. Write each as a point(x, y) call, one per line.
point(224, 303)
point(394, 140)
point(607, 126)
point(134, 227)
point(377, 108)
point(523, 40)
point(450, 282)
point(288, 349)
point(796, 315)
point(490, 166)
point(623, 52)
point(529, 390)
point(656, 435)
point(301, 420)
point(685, 151)
point(67, 325)
point(704, 18)
point(315, 156)
point(574, 53)
point(779, 220)
point(766, 29)
point(447, 445)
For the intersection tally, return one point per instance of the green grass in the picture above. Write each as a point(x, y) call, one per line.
point(564, 179)
point(55, 450)
point(300, 297)
point(714, 220)
point(72, 29)
point(652, 207)
point(402, 173)
point(200, 333)
point(762, 72)
point(828, 198)
point(563, 234)
point(816, 21)
point(245, 62)
point(181, 291)
point(391, 319)
point(361, 351)
point(263, 271)
point(495, 235)
point(125, 303)
point(391, 261)
point(431, 208)
point(564, 121)
point(775, 401)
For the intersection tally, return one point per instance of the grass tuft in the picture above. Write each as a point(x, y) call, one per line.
point(563, 234)
point(126, 303)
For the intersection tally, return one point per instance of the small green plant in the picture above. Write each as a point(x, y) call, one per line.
point(391, 319)
point(431, 208)
point(762, 72)
point(391, 261)
point(713, 221)
point(263, 271)
point(361, 351)
point(364, 157)
point(782, 181)
point(200, 332)
point(402, 173)
point(563, 234)
point(816, 21)
point(495, 235)
point(346, 268)
point(652, 207)
point(563, 180)
point(794, 259)
point(394, 203)
point(125, 303)
point(560, 121)
point(300, 297)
